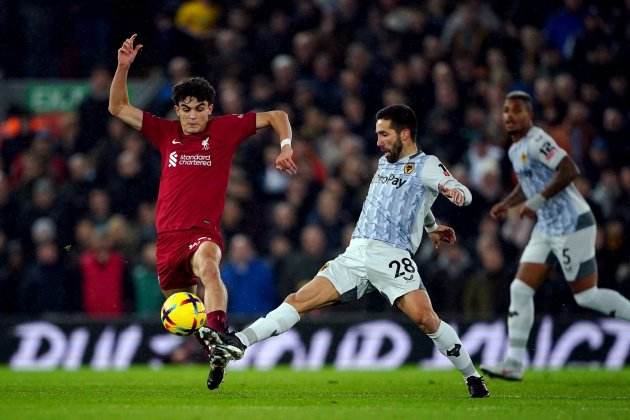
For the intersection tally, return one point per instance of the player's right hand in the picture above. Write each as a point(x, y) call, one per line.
point(443, 233)
point(454, 195)
point(498, 211)
point(284, 161)
point(127, 52)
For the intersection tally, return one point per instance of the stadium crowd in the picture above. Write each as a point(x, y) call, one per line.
point(77, 204)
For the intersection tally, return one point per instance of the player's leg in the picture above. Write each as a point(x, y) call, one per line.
point(337, 280)
point(520, 320)
point(528, 279)
point(417, 306)
point(532, 271)
point(606, 301)
point(579, 254)
point(205, 265)
point(317, 293)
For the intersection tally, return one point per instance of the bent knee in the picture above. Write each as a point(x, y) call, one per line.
point(426, 320)
point(587, 297)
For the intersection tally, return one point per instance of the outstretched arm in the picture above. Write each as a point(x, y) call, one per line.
point(566, 172)
point(119, 105)
point(279, 121)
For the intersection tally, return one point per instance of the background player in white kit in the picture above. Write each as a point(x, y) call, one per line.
point(388, 233)
point(565, 229)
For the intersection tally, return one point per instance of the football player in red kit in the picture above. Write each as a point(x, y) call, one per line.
point(196, 155)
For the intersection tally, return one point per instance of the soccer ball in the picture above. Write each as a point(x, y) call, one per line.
point(183, 313)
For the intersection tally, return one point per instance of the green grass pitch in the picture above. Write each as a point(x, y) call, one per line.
point(408, 393)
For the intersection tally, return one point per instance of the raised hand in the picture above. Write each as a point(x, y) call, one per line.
point(127, 52)
point(284, 161)
point(443, 233)
point(455, 195)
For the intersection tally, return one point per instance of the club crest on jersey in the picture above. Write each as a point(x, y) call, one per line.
point(205, 144)
point(409, 168)
point(524, 157)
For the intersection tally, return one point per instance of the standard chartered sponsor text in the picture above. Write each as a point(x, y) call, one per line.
point(195, 160)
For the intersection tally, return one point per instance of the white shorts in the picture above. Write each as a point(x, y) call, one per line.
point(575, 252)
point(369, 265)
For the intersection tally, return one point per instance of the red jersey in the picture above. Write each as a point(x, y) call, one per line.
point(195, 168)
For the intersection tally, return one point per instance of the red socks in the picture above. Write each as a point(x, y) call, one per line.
point(217, 320)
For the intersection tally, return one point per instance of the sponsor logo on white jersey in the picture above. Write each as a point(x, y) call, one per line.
point(391, 179)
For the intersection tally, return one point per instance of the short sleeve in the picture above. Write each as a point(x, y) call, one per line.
point(544, 149)
point(155, 129)
point(434, 174)
point(244, 125)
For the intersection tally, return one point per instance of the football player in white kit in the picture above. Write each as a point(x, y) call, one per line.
point(565, 231)
point(396, 211)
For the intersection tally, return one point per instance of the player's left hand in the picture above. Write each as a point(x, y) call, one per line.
point(455, 195)
point(524, 211)
point(443, 233)
point(284, 161)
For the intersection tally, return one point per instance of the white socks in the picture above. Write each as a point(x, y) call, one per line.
point(520, 319)
point(449, 344)
point(275, 322)
point(606, 301)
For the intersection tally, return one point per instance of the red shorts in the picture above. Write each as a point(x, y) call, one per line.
point(174, 251)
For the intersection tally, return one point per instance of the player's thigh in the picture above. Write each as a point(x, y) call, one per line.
point(576, 254)
point(536, 260)
point(417, 306)
point(340, 280)
point(392, 271)
point(317, 293)
point(205, 260)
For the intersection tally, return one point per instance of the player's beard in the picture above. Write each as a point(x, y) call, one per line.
point(394, 154)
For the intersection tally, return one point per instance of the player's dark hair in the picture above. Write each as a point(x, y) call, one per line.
point(195, 87)
point(401, 117)
point(521, 96)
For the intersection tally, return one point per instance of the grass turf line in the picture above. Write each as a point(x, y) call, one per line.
point(408, 393)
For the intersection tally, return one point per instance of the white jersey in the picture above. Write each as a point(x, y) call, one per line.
point(400, 196)
point(535, 158)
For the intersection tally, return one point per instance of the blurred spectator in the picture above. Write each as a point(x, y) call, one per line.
point(249, 280)
point(43, 203)
point(485, 292)
point(43, 288)
point(563, 27)
point(148, 297)
point(329, 216)
point(128, 186)
point(99, 210)
point(444, 280)
point(93, 115)
point(197, 17)
point(179, 68)
point(302, 265)
point(102, 277)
